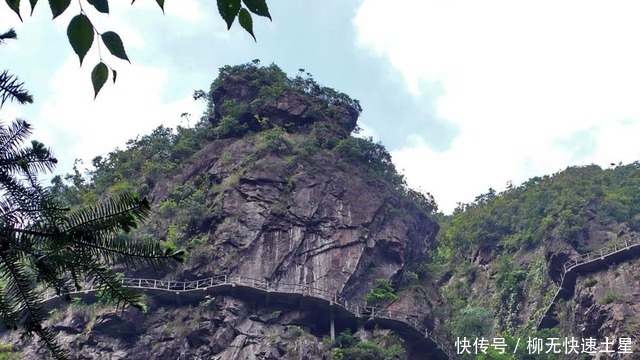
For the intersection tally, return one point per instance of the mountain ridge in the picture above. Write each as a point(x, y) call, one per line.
point(271, 185)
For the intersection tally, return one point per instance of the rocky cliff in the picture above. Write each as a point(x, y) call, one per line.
point(295, 225)
point(553, 258)
point(280, 192)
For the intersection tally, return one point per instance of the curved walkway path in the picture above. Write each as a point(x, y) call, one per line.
point(237, 285)
point(589, 262)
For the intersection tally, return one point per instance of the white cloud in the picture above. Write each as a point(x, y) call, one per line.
point(66, 117)
point(518, 78)
point(189, 10)
point(367, 131)
point(9, 113)
point(84, 128)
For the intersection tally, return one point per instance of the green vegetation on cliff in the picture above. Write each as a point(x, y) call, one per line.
point(558, 206)
point(252, 166)
point(147, 158)
point(498, 247)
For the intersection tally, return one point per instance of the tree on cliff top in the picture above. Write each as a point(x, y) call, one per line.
point(46, 247)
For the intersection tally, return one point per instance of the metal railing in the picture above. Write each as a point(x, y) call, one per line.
point(600, 254)
point(356, 309)
point(593, 256)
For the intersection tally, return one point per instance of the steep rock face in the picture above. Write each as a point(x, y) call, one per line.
point(274, 203)
point(605, 304)
point(313, 222)
point(310, 224)
point(521, 282)
point(223, 329)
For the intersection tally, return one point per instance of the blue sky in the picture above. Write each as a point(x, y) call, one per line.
point(466, 95)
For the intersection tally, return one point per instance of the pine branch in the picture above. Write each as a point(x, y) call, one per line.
point(20, 290)
point(112, 289)
point(120, 213)
point(133, 254)
point(12, 137)
point(41, 243)
point(10, 34)
point(12, 89)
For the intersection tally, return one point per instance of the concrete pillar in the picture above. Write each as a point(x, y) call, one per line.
point(332, 325)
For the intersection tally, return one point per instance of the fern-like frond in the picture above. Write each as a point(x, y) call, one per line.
point(131, 253)
point(24, 200)
point(13, 136)
point(111, 289)
point(48, 338)
point(9, 34)
point(44, 244)
point(12, 89)
point(121, 213)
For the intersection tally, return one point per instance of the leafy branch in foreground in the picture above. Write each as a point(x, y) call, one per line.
point(81, 32)
point(10, 87)
point(44, 246)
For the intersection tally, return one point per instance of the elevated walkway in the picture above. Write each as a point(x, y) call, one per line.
point(338, 309)
point(592, 261)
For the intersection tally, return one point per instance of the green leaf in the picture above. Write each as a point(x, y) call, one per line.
point(258, 7)
point(99, 77)
point(114, 44)
point(228, 9)
point(246, 22)
point(115, 75)
point(15, 6)
point(80, 34)
point(161, 4)
point(33, 5)
point(58, 6)
point(100, 5)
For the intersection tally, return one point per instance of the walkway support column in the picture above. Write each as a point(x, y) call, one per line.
point(332, 325)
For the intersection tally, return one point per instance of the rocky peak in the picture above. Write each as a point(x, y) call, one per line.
point(259, 98)
point(280, 194)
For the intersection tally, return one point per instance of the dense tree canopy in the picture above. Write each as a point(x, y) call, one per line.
point(557, 206)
